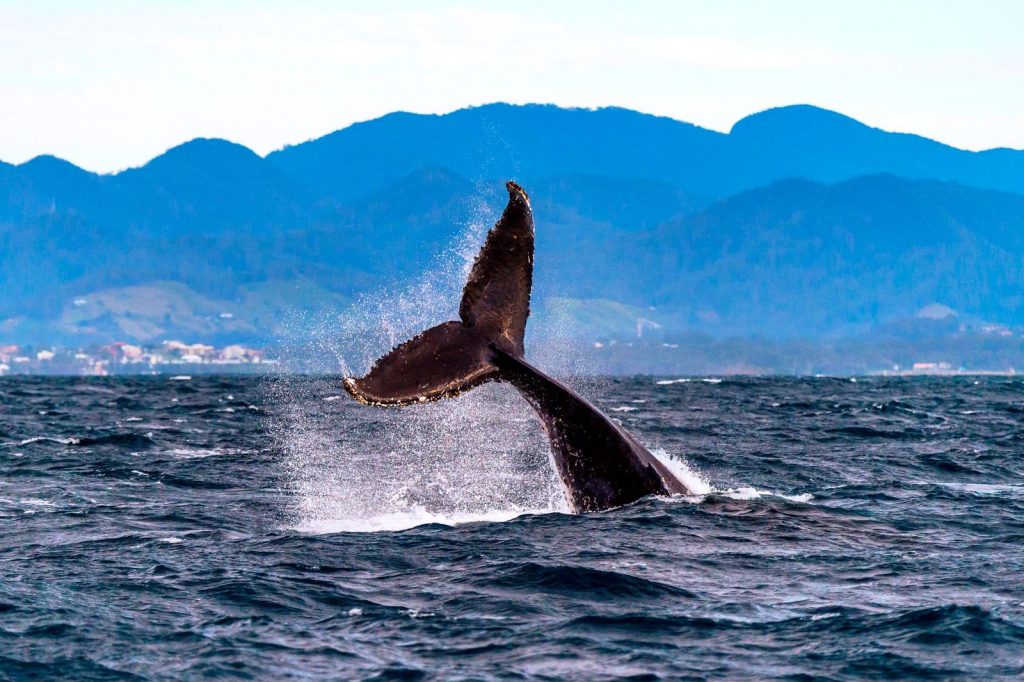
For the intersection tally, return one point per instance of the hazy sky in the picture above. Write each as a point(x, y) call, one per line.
point(109, 85)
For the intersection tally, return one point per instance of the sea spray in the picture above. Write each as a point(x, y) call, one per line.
point(462, 459)
point(468, 457)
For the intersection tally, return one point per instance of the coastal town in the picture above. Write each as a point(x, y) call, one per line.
point(126, 358)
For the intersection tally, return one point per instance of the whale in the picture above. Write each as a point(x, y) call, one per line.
point(600, 464)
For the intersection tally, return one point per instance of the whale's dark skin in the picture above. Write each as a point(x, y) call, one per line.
point(601, 465)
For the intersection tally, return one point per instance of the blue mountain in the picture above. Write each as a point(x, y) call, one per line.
point(799, 222)
point(535, 141)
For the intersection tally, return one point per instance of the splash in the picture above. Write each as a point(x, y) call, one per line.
point(701, 487)
point(480, 456)
point(687, 475)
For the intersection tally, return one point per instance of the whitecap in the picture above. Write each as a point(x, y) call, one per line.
point(50, 439)
point(751, 493)
point(199, 453)
point(36, 502)
point(669, 382)
point(980, 488)
point(624, 408)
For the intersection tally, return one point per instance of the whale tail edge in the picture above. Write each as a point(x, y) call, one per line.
point(442, 362)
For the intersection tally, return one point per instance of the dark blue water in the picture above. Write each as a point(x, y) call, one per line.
point(158, 529)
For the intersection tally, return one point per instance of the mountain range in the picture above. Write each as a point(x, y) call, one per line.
point(799, 223)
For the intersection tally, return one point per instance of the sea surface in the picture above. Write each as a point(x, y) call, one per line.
point(248, 528)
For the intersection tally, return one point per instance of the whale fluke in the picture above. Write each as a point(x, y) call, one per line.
point(601, 465)
point(496, 298)
point(439, 363)
point(454, 357)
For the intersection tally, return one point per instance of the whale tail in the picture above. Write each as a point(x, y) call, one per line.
point(601, 465)
point(456, 356)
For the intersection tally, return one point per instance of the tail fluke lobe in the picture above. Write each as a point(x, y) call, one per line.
point(453, 357)
point(439, 363)
point(496, 299)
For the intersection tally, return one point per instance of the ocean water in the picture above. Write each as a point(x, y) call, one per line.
point(251, 528)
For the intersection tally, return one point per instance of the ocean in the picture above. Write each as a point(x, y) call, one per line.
point(271, 528)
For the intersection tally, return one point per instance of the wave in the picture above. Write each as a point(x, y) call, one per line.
point(126, 439)
point(203, 453)
point(29, 502)
point(750, 493)
point(669, 382)
point(44, 439)
point(135, 440)
point(1008, 489)
point(592, 584)
point(411, 518)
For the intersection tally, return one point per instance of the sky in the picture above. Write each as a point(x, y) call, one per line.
point(109, 85)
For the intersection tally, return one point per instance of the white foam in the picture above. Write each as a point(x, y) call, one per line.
point(181, 377)
point(700, 487)
point(50, 439)
point(36, 502)
point(172, 540)
point(669, 382)
point(751, 493)
point(822, 616)
point(980, 488)
point(687, 475)
point(624, 408)
point(201, 453)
